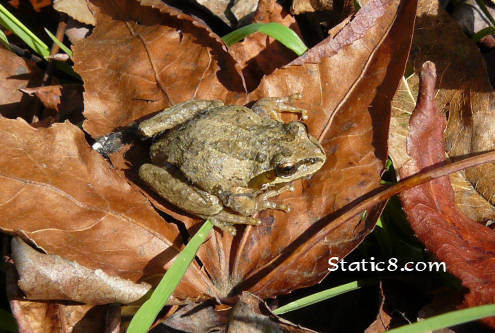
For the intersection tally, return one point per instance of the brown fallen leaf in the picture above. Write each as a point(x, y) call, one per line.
point(90, 215)
point(464, 94)
point(166, 59)
point(68, 201)
point(60, 102)
point(48, 317)
point(230, 12)
point(250, 314)
point(353, 134)
point(76, 9)
point(16, 73)
point(259, 55)
point(467, 248)
point(50, 277)
point(383, 319)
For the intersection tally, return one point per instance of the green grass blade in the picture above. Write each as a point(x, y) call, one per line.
point(485, 11)
point(323, 295)
point(13, 24)
point(147, 313)
point(4, 40)
point(59, 43)
point(280, 32)
point(7, 322)
point(482, 33)
point(448, 319)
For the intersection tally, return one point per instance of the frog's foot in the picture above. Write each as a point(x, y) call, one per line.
point(271, 106)
point(225, 221)
point(262, 201)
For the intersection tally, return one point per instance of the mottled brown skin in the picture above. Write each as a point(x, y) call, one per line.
point(223, 162)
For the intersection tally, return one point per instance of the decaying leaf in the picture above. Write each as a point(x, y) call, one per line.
point(141, 59)
point(353, 133)
point(250, 314)
point(464, 94)
point(231, 12)
point(69, 202)
point(143, 67)
point(259, 55)
point(305, 6)
point(77, 9)
point(50, 277)
point(16, 73)
point(465, 246)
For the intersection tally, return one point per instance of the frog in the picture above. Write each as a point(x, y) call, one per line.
point(225, 162)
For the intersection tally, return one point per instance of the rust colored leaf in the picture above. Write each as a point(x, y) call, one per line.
point(258, 54)
point(68, 201)
point(464, 95)
point(150, 58)
point(60, 101)
point(348, 114)
point(347, 85)
point(50, 277)
point(15, 74)
point(467, 248)
point(250, 314)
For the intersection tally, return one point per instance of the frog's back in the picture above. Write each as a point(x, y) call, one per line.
point(221, 147)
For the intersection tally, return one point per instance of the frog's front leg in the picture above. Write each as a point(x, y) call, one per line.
point(174, 115)
point(248, 202)
point(271, 106)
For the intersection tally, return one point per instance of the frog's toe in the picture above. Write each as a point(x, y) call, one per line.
point(223, 225)
point(274, 205)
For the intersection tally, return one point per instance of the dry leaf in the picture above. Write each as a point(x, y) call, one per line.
point(77, 9)
point(464, 94)
point(141, 59)
point(50, 277)
point(308, 6)
point(68, 201)
point(353, 134)
point(250, 314)
point(144, 67)
point(16, 73)
point(258, 54)
point(465, 246)
point(230, 11)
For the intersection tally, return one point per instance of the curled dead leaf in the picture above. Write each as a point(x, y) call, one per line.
point(50, 277)
point(467, 248)
point(464, 94)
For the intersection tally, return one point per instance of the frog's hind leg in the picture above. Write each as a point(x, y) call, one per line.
point(171, 186)
point(271, 106)
point(174, 115)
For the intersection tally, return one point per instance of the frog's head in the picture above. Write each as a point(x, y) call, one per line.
point(298, 157)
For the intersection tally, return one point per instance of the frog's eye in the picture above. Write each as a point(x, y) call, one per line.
point(286, 169)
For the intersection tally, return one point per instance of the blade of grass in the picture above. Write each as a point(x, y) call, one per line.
point(11, 23)
point(323, 295)
point(4, 40)
point(147, 313)
point(448, 319)
point(482, 33)
point(485, 11)
point(280, 32)
point(59, 43)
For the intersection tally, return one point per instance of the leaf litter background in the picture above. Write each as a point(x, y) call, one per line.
point(154, 56)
